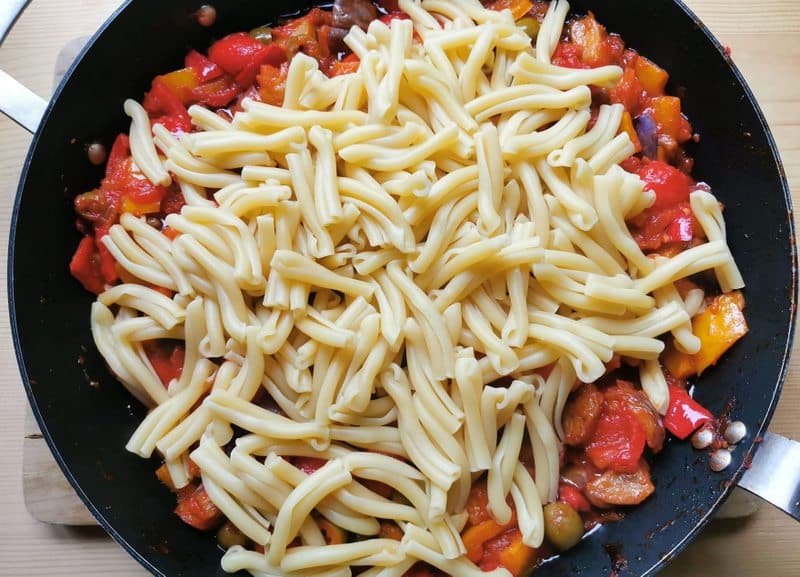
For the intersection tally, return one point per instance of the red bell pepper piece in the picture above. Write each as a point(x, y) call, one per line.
point(682, 228)
point(618, 442)
point(242, 56)
point(685, 415)
point(165, 107)
point(205, 70)
point(85, 266)
point(198, 510)
point(217, 93)
point(167, 364)
point(670, 184)
point(120, 151)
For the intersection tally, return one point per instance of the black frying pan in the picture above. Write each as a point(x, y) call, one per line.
point(87, 426)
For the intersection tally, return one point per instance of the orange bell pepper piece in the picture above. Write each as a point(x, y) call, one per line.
point(519, 8)
point(476, 536)
point(518, 558)
point(718, 327)
point(651, 76)
point(627, 126)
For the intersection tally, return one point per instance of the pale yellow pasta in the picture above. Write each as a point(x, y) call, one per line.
point(356, 274)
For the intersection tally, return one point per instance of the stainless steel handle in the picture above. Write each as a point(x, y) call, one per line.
point(774, 474)
point(20, 104)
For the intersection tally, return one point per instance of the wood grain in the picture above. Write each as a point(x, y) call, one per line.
point(765, 39)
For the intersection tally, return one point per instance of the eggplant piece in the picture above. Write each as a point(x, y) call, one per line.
point(349, 13)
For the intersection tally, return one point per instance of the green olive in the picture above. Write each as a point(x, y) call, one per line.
point(531, 26)
point(563, 525)
point(263, 34)
point(228, 536)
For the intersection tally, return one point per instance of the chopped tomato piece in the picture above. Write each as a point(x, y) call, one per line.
point(241, 56)
point(568, 55)
point(624, 396)
point(628, 92)
point(166, 362)
point(618, 442)
point(670, 184)
point(598, 48)
point(657, 227)
point(478, 504)
point(198, 510)
point(272, 84)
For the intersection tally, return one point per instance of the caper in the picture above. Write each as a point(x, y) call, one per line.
point(563, 525)
point(531, 26)
point(263, 34)
point(228, 536)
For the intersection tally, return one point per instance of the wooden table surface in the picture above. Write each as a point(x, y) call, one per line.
point(764, 36)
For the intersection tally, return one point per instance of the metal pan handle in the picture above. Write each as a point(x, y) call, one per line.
point(775, 473)
point(20, 104)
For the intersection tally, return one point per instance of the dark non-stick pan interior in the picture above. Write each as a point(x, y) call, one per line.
point(87, 416)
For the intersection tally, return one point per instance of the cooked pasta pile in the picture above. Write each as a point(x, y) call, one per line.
point(379, 251)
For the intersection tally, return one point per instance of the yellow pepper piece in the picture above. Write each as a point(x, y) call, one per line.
point(627, 126)
point(718, 327)
point(181, 83)
point(652, 77)
point(476, 536)
point(136, 209)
